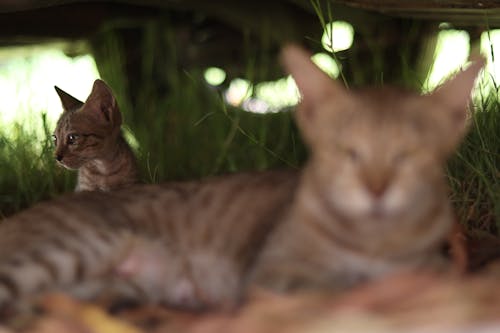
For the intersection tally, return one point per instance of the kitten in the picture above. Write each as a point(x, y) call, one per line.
point(372, 199)
point(88, 138)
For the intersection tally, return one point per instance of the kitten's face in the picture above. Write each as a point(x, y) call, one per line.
point(86, 131)
point(78, 140)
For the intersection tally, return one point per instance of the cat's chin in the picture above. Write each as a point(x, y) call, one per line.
point(380, 213)
point(369, 209)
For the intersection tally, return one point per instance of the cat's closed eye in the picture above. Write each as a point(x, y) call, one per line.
point(403, 155)
point(350, 152)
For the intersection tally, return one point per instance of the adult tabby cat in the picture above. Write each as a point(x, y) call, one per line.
point(88, 138)
point(371, 200)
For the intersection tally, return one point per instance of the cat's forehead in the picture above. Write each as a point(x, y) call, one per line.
point(388, 101)
point(72, 121)
point(64, 121)
point(379, 115)
point(382, 106)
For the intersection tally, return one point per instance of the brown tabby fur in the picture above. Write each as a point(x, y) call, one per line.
point(372, 200)
point(155, 237)
point(88, 138)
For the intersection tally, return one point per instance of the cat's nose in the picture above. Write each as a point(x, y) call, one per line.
point(376, 181)
point(378, 190)
point(59, 157)
point(377, 187)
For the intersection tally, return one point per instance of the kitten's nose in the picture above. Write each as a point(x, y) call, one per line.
point(59, 157)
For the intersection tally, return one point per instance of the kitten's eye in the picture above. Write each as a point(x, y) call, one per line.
point(72, 138)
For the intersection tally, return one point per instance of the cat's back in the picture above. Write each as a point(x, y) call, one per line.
point(213, 202)
point(243, 199)
point(148, 207)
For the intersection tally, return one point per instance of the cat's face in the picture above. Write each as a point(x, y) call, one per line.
point(86, 131)
point(378, 154)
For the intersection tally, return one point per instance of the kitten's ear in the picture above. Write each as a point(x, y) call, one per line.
point(314, 85)
point(69, 103)
point(455, 96)
point(102, 104)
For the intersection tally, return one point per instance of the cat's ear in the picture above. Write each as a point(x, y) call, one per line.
point(102, 104)
point(315, 87)
point(68, 102)
point(455, 96)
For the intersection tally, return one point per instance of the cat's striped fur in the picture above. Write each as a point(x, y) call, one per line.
point(371, 200)
point(88, 138)
point(185, 244)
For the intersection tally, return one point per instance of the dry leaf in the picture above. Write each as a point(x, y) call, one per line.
point(96, 319)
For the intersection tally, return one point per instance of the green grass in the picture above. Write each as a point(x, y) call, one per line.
point(474, 171)
point(27, 170)
point(196, 134)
